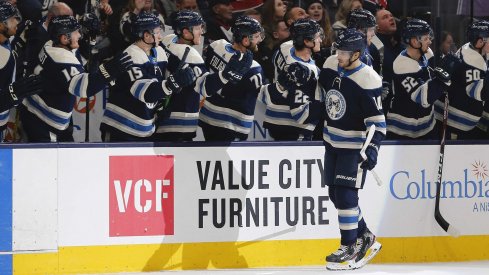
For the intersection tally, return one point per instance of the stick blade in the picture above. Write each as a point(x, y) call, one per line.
point(454, 232)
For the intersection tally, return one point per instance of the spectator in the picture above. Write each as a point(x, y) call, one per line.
point(219, 21)
point(447, 46)
point(273, 11)
point(341, 15)
point(293, 14)
point(385, 48)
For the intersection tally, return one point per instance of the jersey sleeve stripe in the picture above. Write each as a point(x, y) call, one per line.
point(78, 85)
point(474, 89)
point(138, 89)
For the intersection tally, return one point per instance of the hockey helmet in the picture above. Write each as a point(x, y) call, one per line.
point(144, 22)
point(479, 29)
point(246, 26)
point(62, 25)
point(7, 10)
point(304, 28)
point(415, 28)
point(351, 40)
point(186, 19)
point(361, 19)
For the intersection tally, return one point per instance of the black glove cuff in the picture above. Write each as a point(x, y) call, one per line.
point(13, 96)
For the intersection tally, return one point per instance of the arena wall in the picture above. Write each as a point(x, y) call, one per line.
point(71, 208)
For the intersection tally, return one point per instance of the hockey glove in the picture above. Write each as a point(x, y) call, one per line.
point(91, 25)
point(449, 63)
point(442, 76)
point(24, 87)
point(386, 89)
point(112, 69)
point(182, 77)
point(371, 152)
point(237, 68)
point(294, 76)
point(298, 74)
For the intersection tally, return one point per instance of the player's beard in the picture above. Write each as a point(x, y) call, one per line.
point(253, 48)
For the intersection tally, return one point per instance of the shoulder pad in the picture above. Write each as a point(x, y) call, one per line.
point(223, 49)
point(60, 55)
point(160, 54)
point(138, 56)
point(178, 50)
point(4, 56)
point(429, 54)
point(377, 43)
point(405, 65)
point(367, 78)
point(255, 64)
point(331, 63)
point(473, 58)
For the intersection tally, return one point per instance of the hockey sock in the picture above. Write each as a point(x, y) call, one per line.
point(362, 225)
point(348, 220)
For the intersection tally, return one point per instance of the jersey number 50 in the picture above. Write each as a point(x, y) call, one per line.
point(472, 75)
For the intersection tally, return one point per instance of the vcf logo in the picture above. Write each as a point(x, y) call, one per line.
point(140, 195)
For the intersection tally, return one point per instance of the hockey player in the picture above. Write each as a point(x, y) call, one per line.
point(11, 94)
point(353, 106)
point(130, 112)
point(470, 87)
point(290, 113)
point(363, 20)
point(228, 115)
point(417, 86)
point(183, 108)
point(47, 117)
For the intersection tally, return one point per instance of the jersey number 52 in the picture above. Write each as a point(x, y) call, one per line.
point(409, 83)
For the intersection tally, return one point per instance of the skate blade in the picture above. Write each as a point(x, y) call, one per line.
point(346, 265)
point(371, 252)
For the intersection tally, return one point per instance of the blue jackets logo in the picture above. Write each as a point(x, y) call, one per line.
point(335, 105)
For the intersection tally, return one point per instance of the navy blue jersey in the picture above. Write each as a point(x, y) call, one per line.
point(367, 58)
point(291, 114)
point(352, 104)
point(483, 123)
point(184, 106)
point(233, 107)
point(7, 71)
point(467, 91)
point(376, 51)
point(411, 112)
point(64, 80)
point(132, 101)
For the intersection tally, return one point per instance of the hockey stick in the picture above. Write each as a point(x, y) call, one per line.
point(370, 135)
point(180, 66)
point(450, 229)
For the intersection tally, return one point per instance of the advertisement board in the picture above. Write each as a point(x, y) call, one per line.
point(242, 205)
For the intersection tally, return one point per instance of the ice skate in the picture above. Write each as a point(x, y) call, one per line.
point(344, 258)
point(368, 247)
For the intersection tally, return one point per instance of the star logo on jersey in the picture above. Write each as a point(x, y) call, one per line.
point(335, 104)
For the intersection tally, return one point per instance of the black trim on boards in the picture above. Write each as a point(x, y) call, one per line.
point(218, 144)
